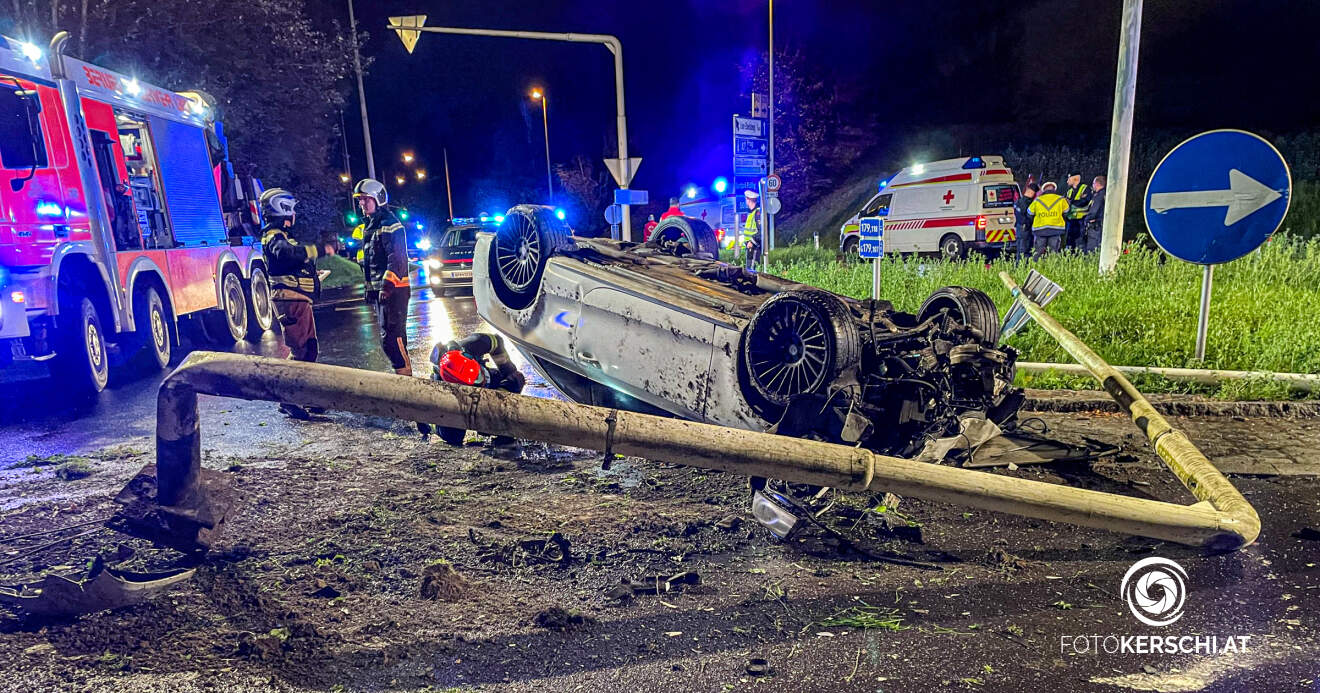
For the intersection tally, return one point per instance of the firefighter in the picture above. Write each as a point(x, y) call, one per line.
point(1048, 222)
point(478, 360)
point(752, 228)
point(294, 282)
point(1079, 203)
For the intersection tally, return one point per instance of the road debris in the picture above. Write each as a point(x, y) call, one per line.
point(440, 581)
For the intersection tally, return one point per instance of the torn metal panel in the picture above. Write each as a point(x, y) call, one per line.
point(103, 588)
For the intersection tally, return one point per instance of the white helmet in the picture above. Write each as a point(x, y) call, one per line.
point(278, 202)
point(370, 187)
point(751, 194)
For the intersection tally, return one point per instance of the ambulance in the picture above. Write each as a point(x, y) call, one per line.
point(945, 207)
point(120, 217)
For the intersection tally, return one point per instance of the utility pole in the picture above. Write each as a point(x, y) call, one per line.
point(770, 163)
point(1120, 138)
point(449, 191)
point(362, 94)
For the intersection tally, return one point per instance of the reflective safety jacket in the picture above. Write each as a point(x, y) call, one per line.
point(1079, 201)
point(291, 266)
point(385, 256)
point(1047, 214)
point(752, 227)
point(359, 236)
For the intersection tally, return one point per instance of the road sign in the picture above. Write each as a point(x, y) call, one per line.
point(772, 182)
point(408, 37)
point(772, 205)
point(760, 105)
point(872, 242)
point(1217, 196)
point(616, 169)
point(630, 197)
point(750, 166)
point(751, 127)
point(750, 146)
point(613, 214)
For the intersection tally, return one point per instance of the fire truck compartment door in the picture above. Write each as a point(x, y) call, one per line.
point(190, 193)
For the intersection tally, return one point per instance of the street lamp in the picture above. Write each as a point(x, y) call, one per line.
point(344, 178)
point(400, 180)
point(539, 95)
point(421, 175)
point(408, 158)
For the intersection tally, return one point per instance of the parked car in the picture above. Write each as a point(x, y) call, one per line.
point(665, 328)
point(945, 207)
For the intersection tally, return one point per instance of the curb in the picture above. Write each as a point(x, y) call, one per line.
point(1069, 401)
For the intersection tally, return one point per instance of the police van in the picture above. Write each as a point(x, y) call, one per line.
point(944, 207)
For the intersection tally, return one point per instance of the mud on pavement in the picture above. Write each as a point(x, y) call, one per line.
point(362, 558)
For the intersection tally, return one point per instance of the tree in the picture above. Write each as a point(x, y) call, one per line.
point(277, 79)
point(806, 124)
point(589, 188)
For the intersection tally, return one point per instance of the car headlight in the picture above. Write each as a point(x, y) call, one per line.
point(432, 264)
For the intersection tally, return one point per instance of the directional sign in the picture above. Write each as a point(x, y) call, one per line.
point(872, 242)
point(750, 166)
point(751, 127)
point(630, 197)
point(750, 146)
point(1217, 196)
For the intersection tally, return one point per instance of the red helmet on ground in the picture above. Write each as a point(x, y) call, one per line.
point(457, 367)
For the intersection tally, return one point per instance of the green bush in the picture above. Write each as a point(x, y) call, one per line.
point(343, 271)
point(1144, 315)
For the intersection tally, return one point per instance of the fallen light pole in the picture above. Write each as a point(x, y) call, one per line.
point(178, 503)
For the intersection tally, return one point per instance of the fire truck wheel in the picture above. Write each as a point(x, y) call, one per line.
point(261, 310)
point(228, 323)
point(153, 329)
point(83, 365)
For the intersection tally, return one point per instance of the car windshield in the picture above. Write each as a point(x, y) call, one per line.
point(463, 235)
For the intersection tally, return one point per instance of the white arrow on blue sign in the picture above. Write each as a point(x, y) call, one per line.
point(1217, 196)
point(871, 241)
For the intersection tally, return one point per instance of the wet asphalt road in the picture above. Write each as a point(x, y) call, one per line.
point(35, 419)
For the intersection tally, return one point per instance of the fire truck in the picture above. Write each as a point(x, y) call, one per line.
point(121, 219)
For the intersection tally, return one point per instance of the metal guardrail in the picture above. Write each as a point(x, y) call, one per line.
point(178, 503)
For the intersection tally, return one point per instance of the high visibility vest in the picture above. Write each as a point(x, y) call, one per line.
point(358, 233)
point(1048, 211)
point(1077, 211)
point(751, 227)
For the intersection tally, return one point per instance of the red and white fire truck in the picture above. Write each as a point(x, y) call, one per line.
point(120, 216)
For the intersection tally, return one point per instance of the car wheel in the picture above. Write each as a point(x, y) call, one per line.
point(952, 247)
point(683, 236)
point(228, 323)
point(153, 329)
point(83, 366)
point(453, 436)
point(850, 245)
point(261, 308)
point(970, 307)
point(798, 342)
point(523, 244)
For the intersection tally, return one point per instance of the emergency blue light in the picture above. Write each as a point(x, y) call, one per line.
point(499, 218)
point(49, 209)
point(974, 162)
point(424, 244)
point(419, 226)
point(29, 51)
point(560, 214)
point(721, 184)
point(691, 192)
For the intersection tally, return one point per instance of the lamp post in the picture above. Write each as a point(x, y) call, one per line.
point(362, 94)
point(539, 95)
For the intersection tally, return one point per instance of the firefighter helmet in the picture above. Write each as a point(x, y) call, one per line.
point(370, 187)
point(457, 367)
point(278, 202)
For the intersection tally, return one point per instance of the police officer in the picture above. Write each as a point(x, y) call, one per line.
point(1079, 203)
point(1022, 221)
point(1048, 222)
point(294, 281)
point(478, 360)
point(752, 228)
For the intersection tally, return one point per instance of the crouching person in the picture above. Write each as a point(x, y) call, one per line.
point(478, 360)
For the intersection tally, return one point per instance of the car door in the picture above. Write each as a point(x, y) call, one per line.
point(649, 350)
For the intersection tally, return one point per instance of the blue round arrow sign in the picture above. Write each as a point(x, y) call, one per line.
point(1217, 196)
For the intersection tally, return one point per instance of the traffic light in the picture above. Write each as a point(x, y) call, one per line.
point(352, 218)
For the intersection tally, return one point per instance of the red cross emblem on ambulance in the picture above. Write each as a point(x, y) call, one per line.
point(948, 197)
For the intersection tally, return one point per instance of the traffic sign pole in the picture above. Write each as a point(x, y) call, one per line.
point(875, 277)
point(1203, 322)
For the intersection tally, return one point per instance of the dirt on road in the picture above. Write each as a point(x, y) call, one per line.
point(360, 557)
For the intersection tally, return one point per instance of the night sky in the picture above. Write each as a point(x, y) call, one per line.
point(1043, 66)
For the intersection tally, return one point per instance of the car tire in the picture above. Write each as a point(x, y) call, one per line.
point(970, 307)
point(453, 436)
point(261, 306)
point(152, 341)
point(82, 365)
point(675, 234)
point(952, 247)
point(228, 323)
point(850, 246)
point(798, 342)
point(523, 244)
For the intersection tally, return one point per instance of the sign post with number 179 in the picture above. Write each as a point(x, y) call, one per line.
point(871, 245)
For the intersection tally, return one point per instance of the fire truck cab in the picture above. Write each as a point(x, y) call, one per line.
point(944, 207)
point(119, 217)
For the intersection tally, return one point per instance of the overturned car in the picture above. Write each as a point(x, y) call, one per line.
point(664, 327)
